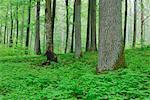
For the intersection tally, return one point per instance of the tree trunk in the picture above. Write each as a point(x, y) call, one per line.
point(1, 33)
point(28, 26)
point(142, 24)
point(37, 46)
point(88, 26)
point(22, 27)
point(11, 33)
point(111, 49)
point(67, 24)
point(93, 26)
point(49, 38)
point(5, 28)
point(125, 21)
point(53, 20)
point(17, 22)
point(77, 28)
point(72, 35)
point(135, 14)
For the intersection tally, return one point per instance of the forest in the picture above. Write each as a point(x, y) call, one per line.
point(74, 49)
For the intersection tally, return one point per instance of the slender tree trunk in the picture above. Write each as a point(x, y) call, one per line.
point(37, 47)
point(49, 39)
point(1, 33)
point(11, 33)
point(142, 24)
point(88, 26)
point(67, 24)
point(72, 35)
point(53, 20)
point(125, 21)
point(17, 22)
point(28, 25)
point(22, 27)
point(77, 28)
point(111, 49)
point(93, 26)
point(5, 28)
point(135, 20)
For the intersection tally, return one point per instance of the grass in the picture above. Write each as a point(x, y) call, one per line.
point(22, 77)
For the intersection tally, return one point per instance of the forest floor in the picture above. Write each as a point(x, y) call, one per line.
point(22, 77)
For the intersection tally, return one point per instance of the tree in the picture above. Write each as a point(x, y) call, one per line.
point(22, 26)
point(48, 25)
point(72, 35)
point(53, 19)
point(111, 49)
point(37, 46)
point(5, 28)
point(142, 24)
point(17, 22)
point(28, 24)
point(11, 33)
point(77, 28)
point(91, 27)
point(93, 46)
point(135, 14)
point(67, 24)
point(88, 26)
point(125, 21)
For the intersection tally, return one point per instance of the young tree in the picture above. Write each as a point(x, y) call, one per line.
point(48, 24)
point(1, 33)
point(142, 24)
point(111, 49)
point(17, 22)
point(37, 46)
point(11, 33)
point(28, 25)
point(5, 28)
point(125, 21)
point(135, 20)
point(72, 35)
point(77, 28)
point(67, 24)
point(22, 26)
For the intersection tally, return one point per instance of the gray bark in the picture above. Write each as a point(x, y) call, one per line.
point(111, 49)
point(77, 28)
point(49, 40)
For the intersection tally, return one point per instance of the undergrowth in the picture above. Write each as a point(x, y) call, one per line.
point(22, 77)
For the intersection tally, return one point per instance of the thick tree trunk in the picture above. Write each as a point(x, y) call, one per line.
point(37, 47)
point(77, 28)
point(142, 24)
point(72, 35)
point(88, 27)
point(28, 26)
point(111, 49)
point(49, 38)
point(125, 21)
point(67, 24)
point(135, 15)
point(93, 26)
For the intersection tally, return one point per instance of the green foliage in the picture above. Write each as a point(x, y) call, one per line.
point(22, 77)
